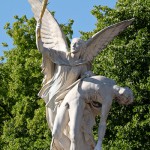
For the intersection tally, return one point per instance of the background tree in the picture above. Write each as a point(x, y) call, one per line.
point(23, 122)
point(126, 60)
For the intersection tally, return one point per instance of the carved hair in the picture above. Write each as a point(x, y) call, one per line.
point(123, 95)
point(82, 44)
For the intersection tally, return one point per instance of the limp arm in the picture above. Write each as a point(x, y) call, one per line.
point(106, 105)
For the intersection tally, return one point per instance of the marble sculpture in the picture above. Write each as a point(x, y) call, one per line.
point(73, 95)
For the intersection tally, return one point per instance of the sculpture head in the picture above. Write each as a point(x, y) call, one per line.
point(77, 45)
point(126, 96)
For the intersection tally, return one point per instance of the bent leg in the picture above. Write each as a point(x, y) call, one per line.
point(75, 114)
point(50, 116)
point(61, 121)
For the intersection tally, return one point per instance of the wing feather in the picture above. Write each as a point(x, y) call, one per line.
point(50, 28)
point(51, 36)
point(102, 38)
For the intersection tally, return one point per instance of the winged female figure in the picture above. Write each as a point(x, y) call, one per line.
point(62, 66)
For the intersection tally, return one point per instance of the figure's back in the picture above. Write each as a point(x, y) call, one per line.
point(99, 79)
point(98, 86)
point(95, 83)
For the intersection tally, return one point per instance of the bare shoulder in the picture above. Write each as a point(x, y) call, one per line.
point(100, 79)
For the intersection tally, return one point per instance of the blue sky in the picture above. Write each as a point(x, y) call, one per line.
point(78, 10)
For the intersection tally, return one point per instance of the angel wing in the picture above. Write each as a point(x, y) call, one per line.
point(51, 36)
point(101, 39)
point(51, 33)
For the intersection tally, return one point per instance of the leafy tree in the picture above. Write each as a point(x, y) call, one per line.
point(127, 60)
point(22, 123)
point(22, 82)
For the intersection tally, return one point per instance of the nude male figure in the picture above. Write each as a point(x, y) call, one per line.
point(96, 91)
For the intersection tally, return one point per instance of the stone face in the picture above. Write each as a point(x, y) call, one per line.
point(73, 95)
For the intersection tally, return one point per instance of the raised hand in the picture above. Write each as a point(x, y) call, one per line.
point(38, 29)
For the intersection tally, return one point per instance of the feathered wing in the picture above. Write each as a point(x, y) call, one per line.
point(51, 33)
point(51, 36)
point(101, 39)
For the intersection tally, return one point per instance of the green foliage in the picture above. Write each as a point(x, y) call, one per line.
point(67, 29)
point(4, 44)
point(23, 124)
point(127, 60)
point(22, 114)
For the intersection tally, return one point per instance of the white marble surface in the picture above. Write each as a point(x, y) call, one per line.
point(73, 95)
